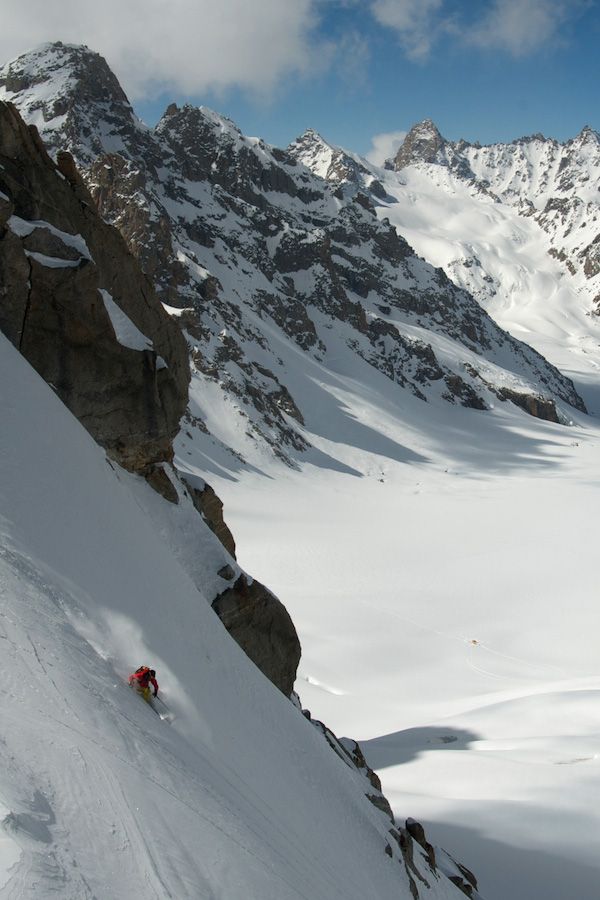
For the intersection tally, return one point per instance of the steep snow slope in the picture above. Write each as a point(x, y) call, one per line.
point(239, 798)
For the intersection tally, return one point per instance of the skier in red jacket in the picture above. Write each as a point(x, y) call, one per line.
point(141, 680)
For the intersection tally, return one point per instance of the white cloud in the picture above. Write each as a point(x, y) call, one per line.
point(385, 146)
point(352, 57)
point(520, 26)
point(188, 46)
point(415, 21)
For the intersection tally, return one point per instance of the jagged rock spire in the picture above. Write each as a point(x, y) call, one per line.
point(423, 143)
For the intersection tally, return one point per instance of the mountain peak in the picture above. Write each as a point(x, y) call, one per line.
point(588, 135)
point(313, 151)
point(423, 143)
point(59, 87)
point(426, 126)
point(309, 139)
point(71, 69)
point(312, 134)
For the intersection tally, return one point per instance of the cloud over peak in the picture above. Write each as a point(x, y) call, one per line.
point(188, 46)
point(196, 47)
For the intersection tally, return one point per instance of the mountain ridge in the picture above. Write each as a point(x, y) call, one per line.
point(554, 182)
point(242, 241)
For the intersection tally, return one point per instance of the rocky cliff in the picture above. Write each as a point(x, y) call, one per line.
point(75, 303)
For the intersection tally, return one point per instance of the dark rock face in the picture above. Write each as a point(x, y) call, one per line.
point(423, 142)
point(535, 406)
point(417, 832)
point(591, 258)
point(261, 625)
point(210, 508)
point(162, 482)
point(75, 303)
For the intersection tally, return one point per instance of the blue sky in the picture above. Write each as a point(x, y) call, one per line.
point(487, 70)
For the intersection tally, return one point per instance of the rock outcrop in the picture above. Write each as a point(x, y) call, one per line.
point(408, 844)
point(262, 626)
point(76, 305)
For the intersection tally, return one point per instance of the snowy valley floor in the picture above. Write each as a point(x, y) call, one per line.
point(449, 616)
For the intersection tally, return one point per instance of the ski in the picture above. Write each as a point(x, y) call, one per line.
point(166, 715)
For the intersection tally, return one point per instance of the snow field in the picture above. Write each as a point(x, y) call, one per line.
point(449, 620)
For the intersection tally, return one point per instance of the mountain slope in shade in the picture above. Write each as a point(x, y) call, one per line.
point(272, 271)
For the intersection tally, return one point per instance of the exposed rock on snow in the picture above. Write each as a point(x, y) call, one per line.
point(210, 508)
point(262, 626)
point(56, 259)
point(535, 406)
point(405, 841)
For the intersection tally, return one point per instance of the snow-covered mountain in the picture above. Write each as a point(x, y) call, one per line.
point(555, 183)
point(282, 281)
point(517, 225)
point(445, 599)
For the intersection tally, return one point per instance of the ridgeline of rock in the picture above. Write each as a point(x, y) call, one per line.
point(260, 258)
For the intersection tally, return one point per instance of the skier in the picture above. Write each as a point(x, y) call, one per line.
point(141, 680)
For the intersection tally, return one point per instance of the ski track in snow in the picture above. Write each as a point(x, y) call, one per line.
point(79, 800)
point(473, 645)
